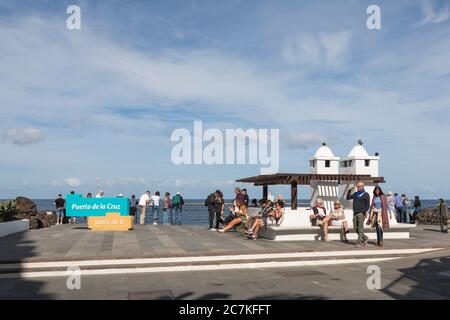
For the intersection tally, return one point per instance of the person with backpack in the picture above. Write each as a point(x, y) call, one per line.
point(209, 202)
point(177, 207)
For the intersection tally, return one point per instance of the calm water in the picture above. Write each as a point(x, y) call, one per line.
point(195, 212)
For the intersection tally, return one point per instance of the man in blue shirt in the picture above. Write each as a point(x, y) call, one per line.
point(399, 208)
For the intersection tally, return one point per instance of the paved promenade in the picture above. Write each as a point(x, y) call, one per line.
point(74, 242)
point(189, 262)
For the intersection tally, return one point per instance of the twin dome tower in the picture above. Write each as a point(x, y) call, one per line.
point(357, 162)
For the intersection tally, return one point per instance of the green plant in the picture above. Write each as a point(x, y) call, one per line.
point(7, 210)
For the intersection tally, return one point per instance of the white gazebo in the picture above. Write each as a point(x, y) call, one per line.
point(324, 162)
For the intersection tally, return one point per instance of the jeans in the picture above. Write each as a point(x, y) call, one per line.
point(178, 210)
point(155, 211)
point(60, 213)
point(378, 228)
point(358, 225)
point(401, 218)
point(218, 216)
point(211, 218)
point(166, 216)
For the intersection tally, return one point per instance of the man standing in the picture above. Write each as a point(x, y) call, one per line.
point(361, 205)
point(209, 202)
point(239, 195)
point(143, 202)
point(399, 208)
point(60, 205)
point(246, 197)
point(177, 205)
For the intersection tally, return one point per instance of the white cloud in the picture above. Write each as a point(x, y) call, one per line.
point(23, 136)
point(69, 182)
point(432, 14)
point(305, 140)
point(326, 50)
point(72, 182)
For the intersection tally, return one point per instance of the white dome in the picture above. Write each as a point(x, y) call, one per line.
point(323, 152)
point(358, 151)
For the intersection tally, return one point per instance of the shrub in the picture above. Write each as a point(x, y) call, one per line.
point(7, 210)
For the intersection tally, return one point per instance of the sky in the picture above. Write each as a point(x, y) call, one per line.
point(94, 109)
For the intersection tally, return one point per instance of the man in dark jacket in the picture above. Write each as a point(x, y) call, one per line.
point(361, 205)
point(209, 202)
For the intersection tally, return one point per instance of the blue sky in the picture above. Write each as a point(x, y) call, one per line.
point(94, 108)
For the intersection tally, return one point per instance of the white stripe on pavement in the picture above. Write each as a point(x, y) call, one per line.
point(139, 261)
point(209, 267)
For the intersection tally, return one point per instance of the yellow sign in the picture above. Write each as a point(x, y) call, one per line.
point(112, 221)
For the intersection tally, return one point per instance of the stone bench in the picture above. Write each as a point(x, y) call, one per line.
point(296, 226)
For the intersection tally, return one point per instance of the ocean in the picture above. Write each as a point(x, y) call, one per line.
point(195, 212)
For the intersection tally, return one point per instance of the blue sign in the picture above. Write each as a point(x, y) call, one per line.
point(77, 206)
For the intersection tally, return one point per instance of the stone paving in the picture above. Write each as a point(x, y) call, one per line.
point(74, 242)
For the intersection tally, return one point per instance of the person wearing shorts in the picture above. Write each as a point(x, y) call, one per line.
point(60, 205)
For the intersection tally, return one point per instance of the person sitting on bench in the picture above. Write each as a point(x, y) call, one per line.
point(239, 213)
point(277, 214)
point(260, 220)
point(337, 218)
point(319, 214)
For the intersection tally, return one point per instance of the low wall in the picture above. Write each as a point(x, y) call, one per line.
point(296, 226)
point(7, 228)
point(300, 218)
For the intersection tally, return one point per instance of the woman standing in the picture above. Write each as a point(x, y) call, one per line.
point(154, 203)
point(417, 208)
point(379, 218)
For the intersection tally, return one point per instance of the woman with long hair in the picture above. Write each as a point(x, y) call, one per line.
point(240, 215)
point(379, 218)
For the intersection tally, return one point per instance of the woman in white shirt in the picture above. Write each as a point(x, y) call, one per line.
point(154, 203)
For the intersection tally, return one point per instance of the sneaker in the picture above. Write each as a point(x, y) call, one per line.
point(155, 223)
point(221, 230)
point(213, 229)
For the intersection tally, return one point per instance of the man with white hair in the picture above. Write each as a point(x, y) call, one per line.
point(100, 194)
point(361, 205)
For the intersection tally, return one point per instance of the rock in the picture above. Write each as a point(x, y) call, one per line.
point(430, 216)
point(51, 215)
point(25, 208)
point(43, 219)
point(34, 222)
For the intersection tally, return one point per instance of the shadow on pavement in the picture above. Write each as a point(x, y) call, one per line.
point(428, 279)
point(16, 248)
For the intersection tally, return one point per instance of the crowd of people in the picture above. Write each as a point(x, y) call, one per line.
point(146, 208)
point(250, 217)
point(170, 214)
point(243, 215)
point(376, 213)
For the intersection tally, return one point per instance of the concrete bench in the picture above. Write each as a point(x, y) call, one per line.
point(296, 226)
